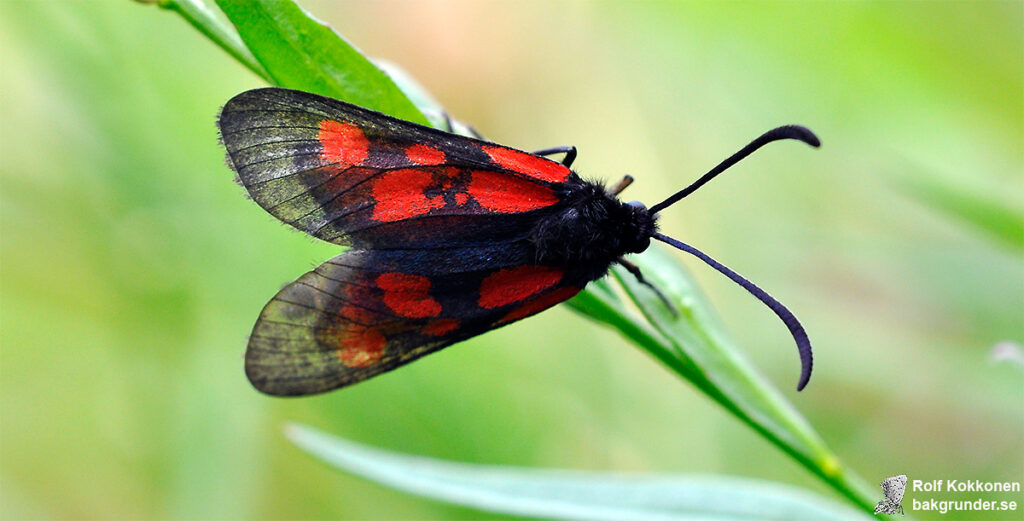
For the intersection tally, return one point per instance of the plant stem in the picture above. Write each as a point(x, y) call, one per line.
point(807, 447)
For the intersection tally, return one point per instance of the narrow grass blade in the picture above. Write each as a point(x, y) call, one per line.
point(697, 349)
point(555, 494)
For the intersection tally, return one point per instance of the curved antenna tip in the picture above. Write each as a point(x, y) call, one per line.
point(803, 344)
point(806, 363)
point(798, 132)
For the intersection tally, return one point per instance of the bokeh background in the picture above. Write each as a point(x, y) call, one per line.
point(133, 267)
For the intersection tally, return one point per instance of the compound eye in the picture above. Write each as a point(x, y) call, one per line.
point(642, 244)
point(637, 204)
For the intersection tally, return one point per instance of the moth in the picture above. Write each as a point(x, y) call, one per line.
point(893, 489)
point(449, 236)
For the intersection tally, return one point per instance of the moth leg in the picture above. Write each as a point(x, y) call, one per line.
point(569, 151)
point(472, 130)
point(635, 270)
point(626, 181)
point(451, 128)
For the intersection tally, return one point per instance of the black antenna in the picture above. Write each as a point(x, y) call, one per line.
point(803, 344)
point(786, 132)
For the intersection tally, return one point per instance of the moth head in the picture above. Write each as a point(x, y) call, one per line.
point(642, 227)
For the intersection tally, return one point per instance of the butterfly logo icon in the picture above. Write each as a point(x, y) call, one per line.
point(893, 489)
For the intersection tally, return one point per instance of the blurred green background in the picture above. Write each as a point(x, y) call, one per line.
point(133, 267)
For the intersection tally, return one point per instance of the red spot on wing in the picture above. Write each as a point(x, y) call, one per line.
point(408, 295)
point(504, 193)
point(514, 284)
point(528, 164)
point(361, 305)
point(400, 194)
point(441, 327)
point(343, 143)
point(461, 198)
point(541, 303)
point(424, 155)
point(360, 346)
point(356, 314)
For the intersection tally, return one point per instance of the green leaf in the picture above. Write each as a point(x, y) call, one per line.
point(300, 52)
point(983, 210)
point(415, 91)
point(555, 494)
point(692, 344)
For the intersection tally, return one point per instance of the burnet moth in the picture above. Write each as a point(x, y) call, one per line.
point(449, 236)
